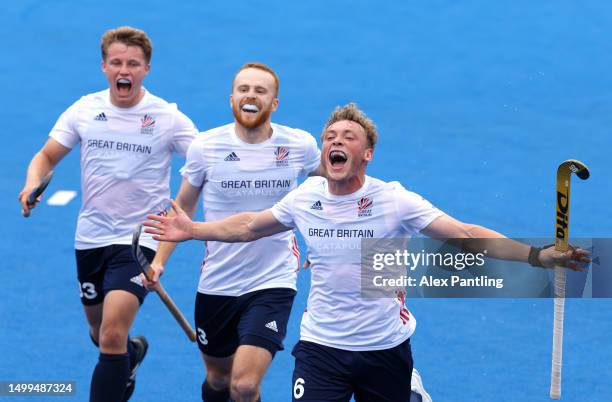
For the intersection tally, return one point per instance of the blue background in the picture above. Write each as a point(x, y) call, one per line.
point(477, 102)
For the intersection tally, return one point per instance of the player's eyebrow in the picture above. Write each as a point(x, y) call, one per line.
point(347, 131)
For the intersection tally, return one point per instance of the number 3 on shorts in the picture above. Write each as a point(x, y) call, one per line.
point(298, 388)
point(88, 290)
point(202, 337)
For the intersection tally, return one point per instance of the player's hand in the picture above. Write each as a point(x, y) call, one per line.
point(26, 207)
point(175, 228)
point(572, 258)
point(157, 270)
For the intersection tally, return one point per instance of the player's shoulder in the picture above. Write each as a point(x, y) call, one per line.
point(391, 188)
point(88, 103)
point(93, 98)
point(291, 134)
point(212, 140)
point(221, 133)
point(152, 101)
point(313, 184)
point(376, 184)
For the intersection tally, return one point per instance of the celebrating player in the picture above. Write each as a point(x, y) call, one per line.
point(127, 137)
point(246, 290)
point(349, 344)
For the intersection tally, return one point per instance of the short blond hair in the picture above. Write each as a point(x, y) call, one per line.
point(351, 112)
point(259, 66)
point(128, 36)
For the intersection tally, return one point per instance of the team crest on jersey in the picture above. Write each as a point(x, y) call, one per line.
point(147, 124)
point(364, 207)
point(281, 155)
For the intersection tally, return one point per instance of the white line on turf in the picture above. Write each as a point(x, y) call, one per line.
point(61, 197)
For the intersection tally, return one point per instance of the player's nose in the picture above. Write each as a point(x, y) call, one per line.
point(123, 69)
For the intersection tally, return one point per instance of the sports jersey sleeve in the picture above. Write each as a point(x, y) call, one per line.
point(283, 211)
point(183, 133)
point(64, 131)
point(414, 211)
point(312, 156)
point(194, 169)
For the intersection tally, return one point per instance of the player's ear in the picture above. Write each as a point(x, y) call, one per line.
point(231, 102)
point(275, 103)
point(147, 68)
point(369, 153)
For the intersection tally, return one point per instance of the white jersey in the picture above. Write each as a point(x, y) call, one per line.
point(333, 226)
point(237, 177)
point(125, 163)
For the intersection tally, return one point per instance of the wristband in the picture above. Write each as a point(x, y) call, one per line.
point(534, 257)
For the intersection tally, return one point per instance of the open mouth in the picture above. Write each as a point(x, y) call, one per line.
point(337, 159)
point(124, 85)
point(249, 108)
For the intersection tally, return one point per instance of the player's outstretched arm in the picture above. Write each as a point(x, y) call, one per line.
point(187, 200)
point(41, 164)
point(242, 227)
point(481, 238)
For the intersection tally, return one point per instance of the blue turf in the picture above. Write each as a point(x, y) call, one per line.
point(477, 102)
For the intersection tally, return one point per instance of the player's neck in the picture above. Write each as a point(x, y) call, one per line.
point(254, 135)
point(346, 186)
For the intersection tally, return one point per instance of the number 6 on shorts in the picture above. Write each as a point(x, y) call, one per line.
point(298, 388)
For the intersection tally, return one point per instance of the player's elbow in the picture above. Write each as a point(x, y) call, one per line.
point(249, 235)
point(235, 234)
point(468, 230)
point(245, 237)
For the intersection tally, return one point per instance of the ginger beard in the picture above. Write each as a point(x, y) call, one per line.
point(250, 113)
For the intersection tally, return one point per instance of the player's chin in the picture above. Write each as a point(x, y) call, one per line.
point(337, 175)
point(337, 170)
point(251, 120)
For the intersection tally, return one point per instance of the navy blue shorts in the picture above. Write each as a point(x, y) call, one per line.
point(325, 374)
point(257, 318)
point(103, 269)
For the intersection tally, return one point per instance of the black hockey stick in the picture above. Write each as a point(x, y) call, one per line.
point(37, 192)
point(145, 267)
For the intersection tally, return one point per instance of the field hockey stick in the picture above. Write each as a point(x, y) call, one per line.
point(37, 192)
point(564, 173)
point(145, 267)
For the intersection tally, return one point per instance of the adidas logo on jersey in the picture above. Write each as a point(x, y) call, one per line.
point(101, 117)
point(272, 325)
point(136, 279)
point(317, 205)
point(232, 157)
